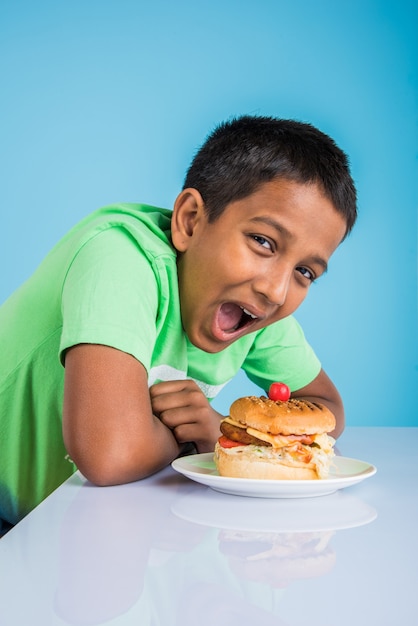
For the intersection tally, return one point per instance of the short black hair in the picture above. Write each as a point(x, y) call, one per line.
point(245, 152)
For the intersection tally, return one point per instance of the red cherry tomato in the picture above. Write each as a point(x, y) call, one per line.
point(279, 391)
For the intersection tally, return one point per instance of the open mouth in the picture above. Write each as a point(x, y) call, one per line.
point(233, 317)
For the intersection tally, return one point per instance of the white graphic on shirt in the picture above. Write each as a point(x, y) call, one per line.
point(163, 373)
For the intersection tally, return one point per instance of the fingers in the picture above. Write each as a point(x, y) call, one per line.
point(175, 402)
point(184, 409)
point(172, 386)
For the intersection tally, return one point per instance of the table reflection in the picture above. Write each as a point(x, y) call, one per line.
point(168, 552)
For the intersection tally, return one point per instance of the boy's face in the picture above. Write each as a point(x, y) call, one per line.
point(254, 265)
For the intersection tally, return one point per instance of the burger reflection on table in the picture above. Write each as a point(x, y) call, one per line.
point(277, 559)
point(275, 541)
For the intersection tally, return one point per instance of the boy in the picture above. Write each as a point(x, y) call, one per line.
point(112, 350)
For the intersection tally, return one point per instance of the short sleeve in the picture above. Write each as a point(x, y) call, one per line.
point(110, 296)
point(280, 352)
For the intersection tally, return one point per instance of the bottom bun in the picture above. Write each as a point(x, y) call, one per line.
point(236, 465)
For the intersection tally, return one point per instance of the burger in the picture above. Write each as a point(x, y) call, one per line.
point(270, 439)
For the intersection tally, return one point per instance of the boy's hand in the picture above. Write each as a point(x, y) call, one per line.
point(184, 409)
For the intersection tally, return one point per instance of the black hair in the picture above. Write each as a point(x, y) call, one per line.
point(245, 152)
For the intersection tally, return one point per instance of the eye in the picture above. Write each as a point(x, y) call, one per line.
point(262, 241)
point(306, 273)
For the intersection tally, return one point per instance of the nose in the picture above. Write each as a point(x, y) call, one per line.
point(274, 287)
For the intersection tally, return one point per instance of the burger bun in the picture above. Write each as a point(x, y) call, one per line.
point(234, 465)
point(294, 417)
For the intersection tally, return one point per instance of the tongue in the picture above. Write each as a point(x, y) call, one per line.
point(229, 316)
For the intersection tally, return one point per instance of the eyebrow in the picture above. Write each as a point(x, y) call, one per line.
point(284, 231)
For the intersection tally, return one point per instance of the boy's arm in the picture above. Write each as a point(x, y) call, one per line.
point(323, 390)
point(109, 429)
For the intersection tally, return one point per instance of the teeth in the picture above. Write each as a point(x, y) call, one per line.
point(254, 317)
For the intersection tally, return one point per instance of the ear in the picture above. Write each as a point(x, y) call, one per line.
point(188, 211)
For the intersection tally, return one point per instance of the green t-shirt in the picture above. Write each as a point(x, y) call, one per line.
point(111, 280)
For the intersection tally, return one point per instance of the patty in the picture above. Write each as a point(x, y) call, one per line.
point(240, 435)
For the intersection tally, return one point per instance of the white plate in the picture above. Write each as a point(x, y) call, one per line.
point(344, 473)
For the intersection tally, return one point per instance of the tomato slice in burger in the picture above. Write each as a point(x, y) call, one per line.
point(224, 442)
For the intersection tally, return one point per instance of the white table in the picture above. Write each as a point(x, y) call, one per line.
point(167, 551)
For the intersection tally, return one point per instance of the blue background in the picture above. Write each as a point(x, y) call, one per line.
point(106, 101)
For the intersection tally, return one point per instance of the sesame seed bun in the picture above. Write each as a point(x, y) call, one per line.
point(294, 417)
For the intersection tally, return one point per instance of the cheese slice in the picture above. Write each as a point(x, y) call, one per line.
point(229, 420)
point(277, 441)
point(324, 441)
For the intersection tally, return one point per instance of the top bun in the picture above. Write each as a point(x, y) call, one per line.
point(294, 417)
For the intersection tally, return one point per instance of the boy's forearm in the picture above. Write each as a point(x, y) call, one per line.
point(126, 458)
point(322, 390)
